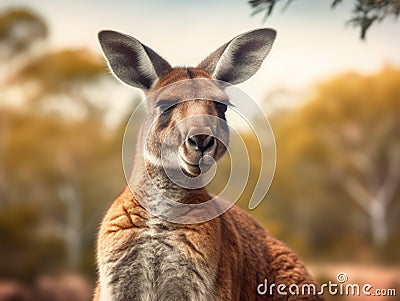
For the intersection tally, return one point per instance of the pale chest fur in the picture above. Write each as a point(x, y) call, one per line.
point(161, 262)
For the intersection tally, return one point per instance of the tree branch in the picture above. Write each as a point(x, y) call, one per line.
point(392, 180)
point(365, 13)
point(358, 193)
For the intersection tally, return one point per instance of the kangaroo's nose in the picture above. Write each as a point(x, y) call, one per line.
point(200, 142)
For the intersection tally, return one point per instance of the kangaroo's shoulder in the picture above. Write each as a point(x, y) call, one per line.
point(125, 213)
point(123, 222)
point(262, 255)
point(243, 222)
point(254, 236)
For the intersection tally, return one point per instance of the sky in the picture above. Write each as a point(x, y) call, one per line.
point(313, 41)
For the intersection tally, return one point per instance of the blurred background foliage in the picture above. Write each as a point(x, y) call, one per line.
point(338, 176)
point(335, 196)
point(56, 152)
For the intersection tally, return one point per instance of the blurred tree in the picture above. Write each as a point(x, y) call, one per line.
point(61, 74)
point(341, 152)
point(20, 29)
point(56, 151)
point(64, 80)
point(365, 12)
point(24, 254)
point(62, 169)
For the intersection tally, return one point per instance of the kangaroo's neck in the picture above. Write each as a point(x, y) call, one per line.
point(152, 187)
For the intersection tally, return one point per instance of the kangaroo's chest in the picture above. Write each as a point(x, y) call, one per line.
point(163, 264)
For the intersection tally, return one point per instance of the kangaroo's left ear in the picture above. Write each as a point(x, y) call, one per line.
point(239, 59)
point(131, 61)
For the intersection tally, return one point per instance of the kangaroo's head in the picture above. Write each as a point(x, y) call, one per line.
point(185, 125)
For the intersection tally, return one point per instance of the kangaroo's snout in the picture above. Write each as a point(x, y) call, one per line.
point(200, 142)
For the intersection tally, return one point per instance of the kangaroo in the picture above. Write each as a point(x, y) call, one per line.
point(143, 256)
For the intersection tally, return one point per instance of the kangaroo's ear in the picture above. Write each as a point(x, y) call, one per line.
point(132, 62)
point(239, 59)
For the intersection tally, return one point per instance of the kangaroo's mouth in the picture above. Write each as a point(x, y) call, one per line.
point(195, 169)
point(189, 163)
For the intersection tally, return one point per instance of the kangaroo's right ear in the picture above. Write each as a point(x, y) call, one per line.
point(240, 58)
point(132, 62)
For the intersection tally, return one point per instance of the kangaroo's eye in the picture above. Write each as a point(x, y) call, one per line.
point(166, 110)
point(165, 106)
point(221, 107)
